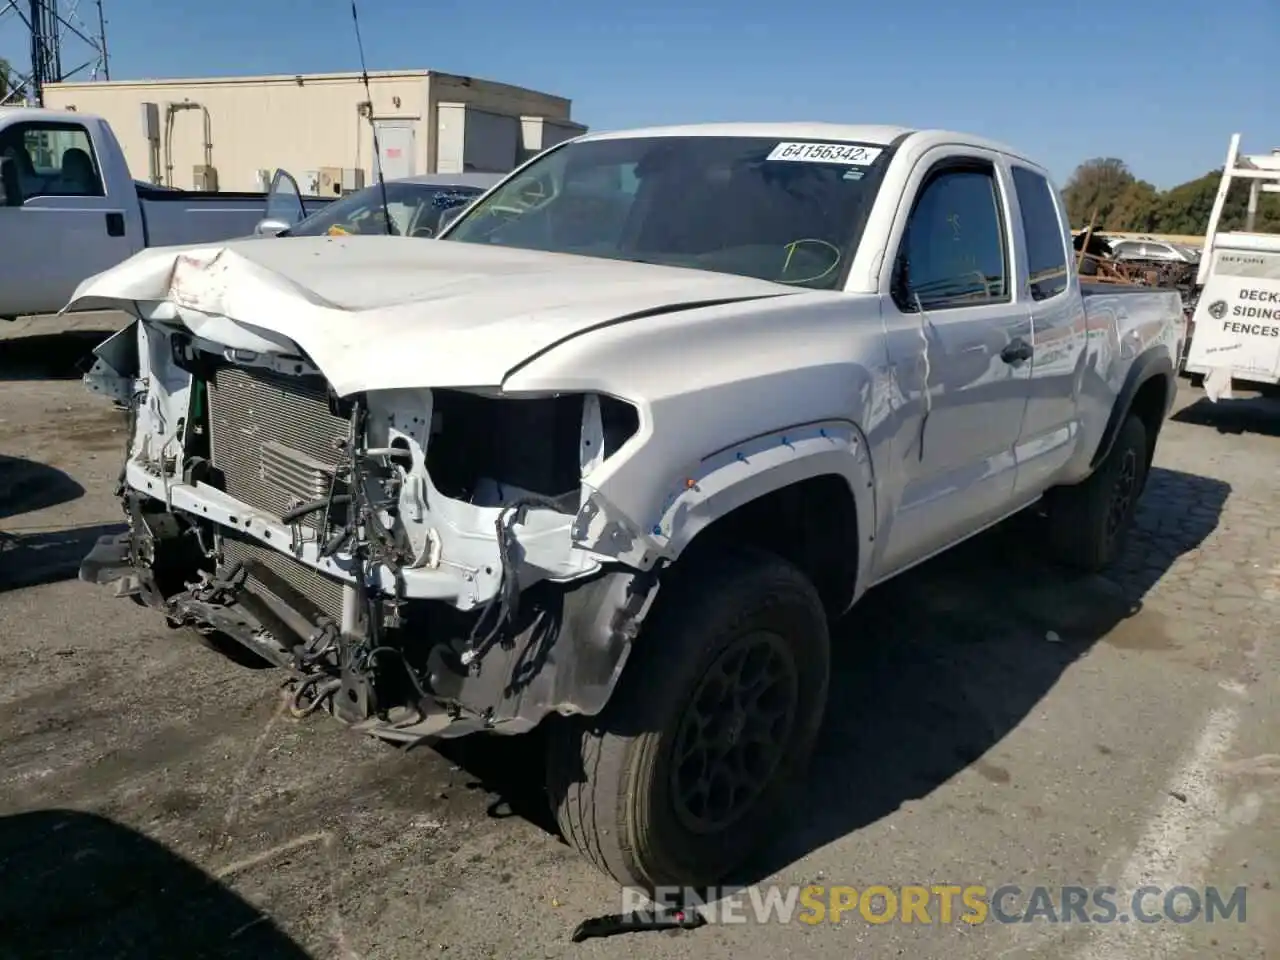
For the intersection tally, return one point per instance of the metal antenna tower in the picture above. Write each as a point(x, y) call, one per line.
point(56, 34)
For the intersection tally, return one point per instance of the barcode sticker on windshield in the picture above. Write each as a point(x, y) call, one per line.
point(846, 153)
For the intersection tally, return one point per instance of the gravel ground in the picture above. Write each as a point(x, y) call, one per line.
point(991, 722)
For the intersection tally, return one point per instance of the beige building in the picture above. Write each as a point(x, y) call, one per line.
point(232, 133)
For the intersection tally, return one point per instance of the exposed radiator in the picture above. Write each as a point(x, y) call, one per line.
point(276, 444)
point(321, 590)
point(272, 437)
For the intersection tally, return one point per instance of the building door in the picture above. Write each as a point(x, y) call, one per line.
point(395, 144)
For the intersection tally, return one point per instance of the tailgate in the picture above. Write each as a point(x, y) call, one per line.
point(1237, 318)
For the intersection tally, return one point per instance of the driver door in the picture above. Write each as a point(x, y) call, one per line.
point(284, 208)
point(958, 335)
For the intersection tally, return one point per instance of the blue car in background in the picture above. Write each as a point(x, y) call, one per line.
point(413, 206)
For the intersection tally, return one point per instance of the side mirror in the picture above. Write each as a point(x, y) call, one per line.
point(10, 185)
point(270, 227)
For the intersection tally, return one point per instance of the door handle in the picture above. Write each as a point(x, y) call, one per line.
point(115, 224)
point(1018, 351)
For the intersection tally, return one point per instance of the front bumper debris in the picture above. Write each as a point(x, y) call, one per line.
point(109, 561)
point(306, 528)
point(563, 653)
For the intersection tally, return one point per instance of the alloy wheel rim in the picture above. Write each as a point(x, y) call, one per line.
point(733, 734)
point(1122, 494)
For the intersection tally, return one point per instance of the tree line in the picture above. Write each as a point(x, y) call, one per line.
point(1125, 204)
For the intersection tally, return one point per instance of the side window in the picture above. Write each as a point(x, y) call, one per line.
point(53, 159)
point(953, 252)
point(1046, 239)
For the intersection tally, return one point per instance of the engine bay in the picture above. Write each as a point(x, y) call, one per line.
point(406, 555)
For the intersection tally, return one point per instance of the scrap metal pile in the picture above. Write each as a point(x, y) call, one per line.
point(1097, 264)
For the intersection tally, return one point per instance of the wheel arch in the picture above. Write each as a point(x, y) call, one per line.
point(1148, 391)
point(806, 495)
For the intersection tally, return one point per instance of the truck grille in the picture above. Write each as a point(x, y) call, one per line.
point(273, 438)
point(276, 444)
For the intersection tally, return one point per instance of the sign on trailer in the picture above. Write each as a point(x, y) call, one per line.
point(1237, 318)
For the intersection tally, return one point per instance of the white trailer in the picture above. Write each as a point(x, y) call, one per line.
point(1235, 331)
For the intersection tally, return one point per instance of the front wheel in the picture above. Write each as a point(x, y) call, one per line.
point(1088, 522)
point(717, 711)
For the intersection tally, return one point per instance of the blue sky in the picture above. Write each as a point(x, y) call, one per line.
point(1161, 85)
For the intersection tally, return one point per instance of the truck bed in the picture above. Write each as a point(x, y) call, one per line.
point(1094, 289)
point(151, 191)
point(176, 217)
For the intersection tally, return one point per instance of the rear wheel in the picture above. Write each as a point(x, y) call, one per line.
point(1088, 522)
point(717, 710)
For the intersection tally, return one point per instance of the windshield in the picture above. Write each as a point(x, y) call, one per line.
point(753, 206)
point(415, 210)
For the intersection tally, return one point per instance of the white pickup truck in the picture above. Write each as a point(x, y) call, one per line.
point(610, 455)
point(69, 208)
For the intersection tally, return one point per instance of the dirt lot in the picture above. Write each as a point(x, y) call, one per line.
point(991, 722)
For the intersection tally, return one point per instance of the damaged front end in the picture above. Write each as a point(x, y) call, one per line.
point(426, 563)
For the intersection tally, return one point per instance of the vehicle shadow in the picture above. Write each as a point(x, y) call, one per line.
point(32, 559)
point(1258, 415)
point(933, 669)
point(511, 770)
point(937, 666)
point(66, 355)
point(26, 485)
point(80, 885)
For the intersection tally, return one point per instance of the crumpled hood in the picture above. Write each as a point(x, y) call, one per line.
point(397, 312)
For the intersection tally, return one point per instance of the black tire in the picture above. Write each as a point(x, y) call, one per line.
point(1196, 380)
point(1088, 522)
point(613, 781)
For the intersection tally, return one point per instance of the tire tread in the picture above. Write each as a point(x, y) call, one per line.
point(590, 769)
point(1078, 514)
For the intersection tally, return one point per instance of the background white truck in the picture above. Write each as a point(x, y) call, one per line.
point(69, 208)
point(1235, 331)
point(612, 452)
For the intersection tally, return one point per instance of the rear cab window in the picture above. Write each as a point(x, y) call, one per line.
point(1045, 234)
